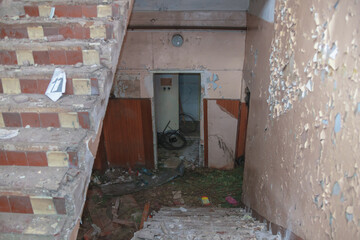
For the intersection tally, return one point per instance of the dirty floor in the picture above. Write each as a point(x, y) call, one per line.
point(118, 217)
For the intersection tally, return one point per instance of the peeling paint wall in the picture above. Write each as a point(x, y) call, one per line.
point(303, 144)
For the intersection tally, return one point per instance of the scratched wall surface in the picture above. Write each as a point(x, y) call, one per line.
point(303, 141)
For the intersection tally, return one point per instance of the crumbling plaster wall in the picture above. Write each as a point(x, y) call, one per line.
point(302, 148)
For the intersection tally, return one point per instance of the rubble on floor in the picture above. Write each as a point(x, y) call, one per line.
point(189, 155)
point(129, 182)
point(203, 223)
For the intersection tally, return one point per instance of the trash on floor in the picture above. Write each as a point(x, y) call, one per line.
point(205, 201)
point(178, 200)
point(126, 183)
point(231, 200)
point(57, 85)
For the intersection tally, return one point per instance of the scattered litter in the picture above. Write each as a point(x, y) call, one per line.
point(57, 85)
point(7, 134)
point(178, 200)
point(247, 217)
point(22, 177)
point(337, 126)
point(128, 182)
point(183, 209)
point(205, 201)
point(231, 200)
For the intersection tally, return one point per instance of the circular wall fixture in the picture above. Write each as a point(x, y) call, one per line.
point(177, 40)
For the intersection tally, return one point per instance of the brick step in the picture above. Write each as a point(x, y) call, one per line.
point(55, 147)
point(43, 190)
point(57, 30)
point(68, 52)
point(85, 80)
point(38, 111)
point(16, 226)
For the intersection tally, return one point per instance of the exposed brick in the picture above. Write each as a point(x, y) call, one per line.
point(104, 11)
point(3, 33)
point(12, 119)
point(36, 158)
point(84, 119)
point(73, 159)
point(60, 205)
point(89, 11)
point(57, 57)
point(69, 89)
point(74, 57)
point(49, 120)
point(41, 57)
point(8, 57)
point(20, 204)
point(16, 158)
point(31, 119)
point(4, 204)
point(42, 85)
point(67, 32)
point(3, 160)
point(60, 11)
point(32, 11)
point(74, 11)
point(28, 86)
point(14, 32)
point(57, 159)
point(51, 31)
point(80, 32)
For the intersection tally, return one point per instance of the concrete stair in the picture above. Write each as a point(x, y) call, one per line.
point(203, 223)
point(45, 166)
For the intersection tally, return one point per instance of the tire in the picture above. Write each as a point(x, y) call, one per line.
point(187, 123)
point(175, 140)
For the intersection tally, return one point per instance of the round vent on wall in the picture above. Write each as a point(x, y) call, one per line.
point(177, 40)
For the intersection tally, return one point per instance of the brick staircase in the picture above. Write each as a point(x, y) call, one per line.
point(45, 169)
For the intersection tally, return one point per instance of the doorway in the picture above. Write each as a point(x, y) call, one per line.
point(177, 105)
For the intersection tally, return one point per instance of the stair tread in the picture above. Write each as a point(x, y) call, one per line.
point(41, 139)
point(23, 178)
point(48, 70)
point(41, 103)
point(58, 21)
point(42, 225)
point(23, 44)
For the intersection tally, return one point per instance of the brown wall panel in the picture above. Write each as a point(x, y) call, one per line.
point(230, 106)
point(241, 138)
point(206, 139)
point(127, 128)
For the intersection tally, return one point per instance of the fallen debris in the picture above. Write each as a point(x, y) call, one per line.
point(203, 223)
point(125, 185)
